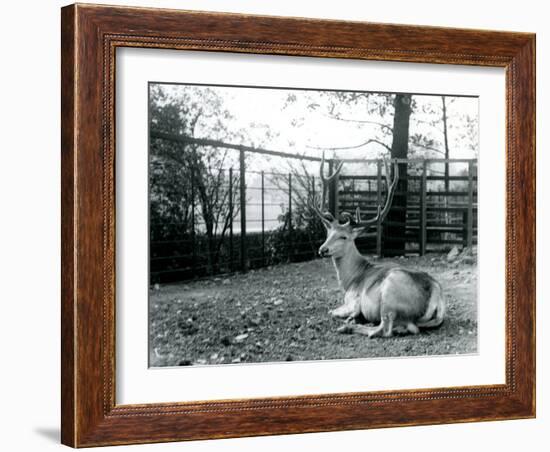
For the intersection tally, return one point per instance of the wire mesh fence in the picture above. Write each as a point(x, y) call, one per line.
point(265, 221)
point(254, 219)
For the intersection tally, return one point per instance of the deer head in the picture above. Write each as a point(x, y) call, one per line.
point(341, 236)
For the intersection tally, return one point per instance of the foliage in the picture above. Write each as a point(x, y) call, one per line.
point(301, 241)
point(187, 180)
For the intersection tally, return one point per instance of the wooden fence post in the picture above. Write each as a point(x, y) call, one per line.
point(290, 249)
point(379, 202)
point(263, 222)
point(423, 211)
point(242, 169)
point(313, 202)
point(231, 251)
point(470, 217)
point(193, 247)
point(465, 228)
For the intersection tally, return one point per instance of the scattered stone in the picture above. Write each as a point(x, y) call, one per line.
point(156, 287)
point(254, 322)
point(453, 254)
point(201, 361)
point(240, 337)
point(277, 302)
point(236, 360)
point(214, 356)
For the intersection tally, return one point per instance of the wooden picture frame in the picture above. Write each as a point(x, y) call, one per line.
point(90, 36)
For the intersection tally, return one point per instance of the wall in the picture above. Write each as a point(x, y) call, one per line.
point(30, 224)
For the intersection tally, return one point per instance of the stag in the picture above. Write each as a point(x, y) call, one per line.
point(393, 298)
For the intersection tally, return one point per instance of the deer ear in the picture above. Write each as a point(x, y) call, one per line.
point(356, 232)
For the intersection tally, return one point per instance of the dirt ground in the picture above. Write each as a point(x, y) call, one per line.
point(282, 314)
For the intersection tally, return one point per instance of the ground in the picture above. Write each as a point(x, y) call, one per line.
point(281, 313)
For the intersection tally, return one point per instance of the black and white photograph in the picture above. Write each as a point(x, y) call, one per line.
point(292, 224)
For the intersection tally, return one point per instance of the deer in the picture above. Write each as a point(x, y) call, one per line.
point(393, 298)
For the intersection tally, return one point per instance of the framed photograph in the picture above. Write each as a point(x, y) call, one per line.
point(281, 225)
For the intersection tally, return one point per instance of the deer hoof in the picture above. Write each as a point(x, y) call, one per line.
point(345, 329)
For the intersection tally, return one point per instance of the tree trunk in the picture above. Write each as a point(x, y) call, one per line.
point(394, 235)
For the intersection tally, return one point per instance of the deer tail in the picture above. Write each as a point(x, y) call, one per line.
point(435, 312)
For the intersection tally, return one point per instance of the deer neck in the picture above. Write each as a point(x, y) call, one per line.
point(349, 266)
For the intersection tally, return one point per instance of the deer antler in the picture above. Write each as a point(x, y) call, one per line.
point(326, 217)
point(382, 212)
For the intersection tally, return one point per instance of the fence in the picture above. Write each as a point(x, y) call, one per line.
point(266, 219)
point(267, 223)
point(439, 209)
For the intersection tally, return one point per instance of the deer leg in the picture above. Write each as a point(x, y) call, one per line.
point(343, 312)
point(348, 326)
point(385, 328)
point(412, 328)
point(350, 309)
point(387, 324)
point(355, 328)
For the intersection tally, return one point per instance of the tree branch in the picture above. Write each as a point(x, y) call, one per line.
point(361, 121)
point(371, 140)
point(428, 148)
